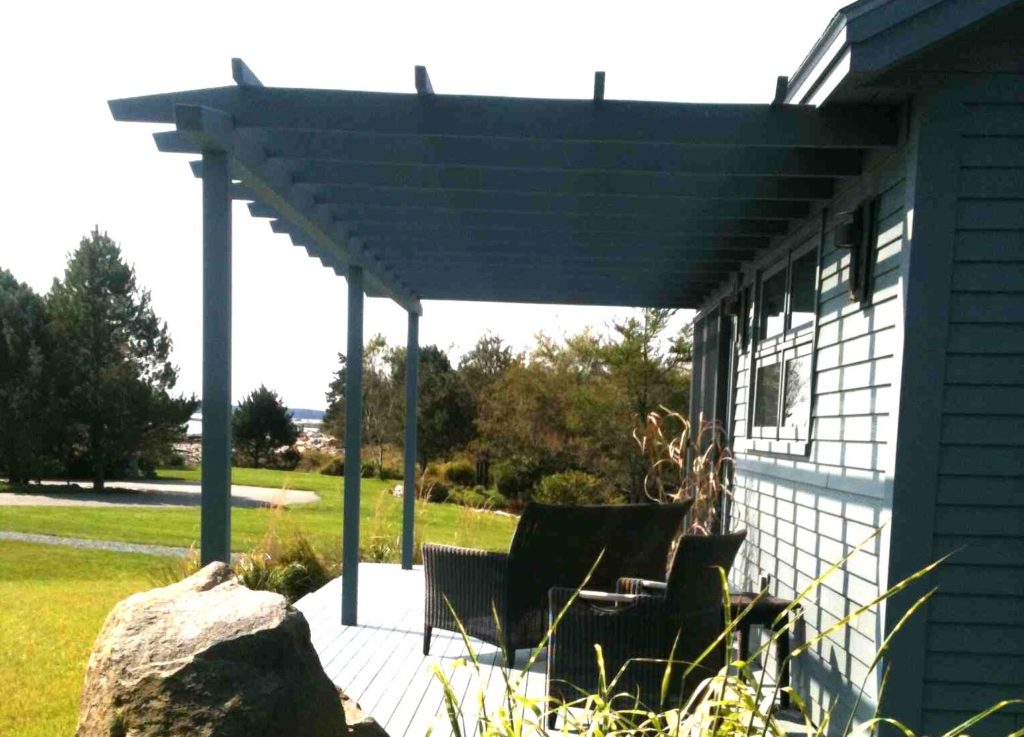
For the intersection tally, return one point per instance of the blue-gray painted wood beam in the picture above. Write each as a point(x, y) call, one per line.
point(610, 204)
point(560, 182)
point(215, 503)
point(423, 85)
point(561, 155)
point(443, 224)
point(353, 449)
point(461, 116)
point(215, 128)
point(243, 75)
point(412, 367)
point(598, 86)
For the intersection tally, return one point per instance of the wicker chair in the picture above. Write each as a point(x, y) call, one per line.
point(553, 545)
point(641, 620)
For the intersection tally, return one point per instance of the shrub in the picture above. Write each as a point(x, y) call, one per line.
point(289, 565)
point(287, 459)
point(574, 487)
point(460, 473)
point(435, 491)
point(314, 460)
point(515, 480)
point(335, 467)
point(390, 473)
point(368, 469)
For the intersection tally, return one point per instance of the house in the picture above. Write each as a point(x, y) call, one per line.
point(855, 250)
point(870, 367)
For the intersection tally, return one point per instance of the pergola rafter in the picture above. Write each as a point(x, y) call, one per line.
point(430, 196)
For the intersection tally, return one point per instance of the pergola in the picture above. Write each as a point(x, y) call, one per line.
point(455, 197)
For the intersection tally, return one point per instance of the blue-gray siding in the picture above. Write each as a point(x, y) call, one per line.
point(975, 637)
point(804, 513)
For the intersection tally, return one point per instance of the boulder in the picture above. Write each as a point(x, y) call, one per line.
point(207, 657)
point(360, 724)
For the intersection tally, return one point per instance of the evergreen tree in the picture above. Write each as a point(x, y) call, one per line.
point(112, 361)
point(27, 417)
point(260, 424)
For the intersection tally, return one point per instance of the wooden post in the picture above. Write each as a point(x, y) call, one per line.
point(215, 512)
point(353, 448)
point(412, 364)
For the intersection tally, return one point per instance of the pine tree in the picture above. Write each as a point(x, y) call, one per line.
point(112, 367)
point(260, 424)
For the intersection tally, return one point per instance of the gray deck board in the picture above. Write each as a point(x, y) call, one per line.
point(380, 662)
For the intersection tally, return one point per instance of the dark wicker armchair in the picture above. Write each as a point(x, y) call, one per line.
point(641, 620)
point(553, 545)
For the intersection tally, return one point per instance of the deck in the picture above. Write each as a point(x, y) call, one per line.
point(380, 662)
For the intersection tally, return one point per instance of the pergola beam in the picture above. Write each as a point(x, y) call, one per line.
point(605, 204)
point(555, 182)
point(412, 363)
point(215, 479)
point(463, 116)
point(584, 156)
point(438, 222)
point(353, 449)
point(214, 128)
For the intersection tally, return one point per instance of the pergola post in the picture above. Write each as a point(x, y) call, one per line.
point(215, 513)
point(412, 364)
point(353, 448)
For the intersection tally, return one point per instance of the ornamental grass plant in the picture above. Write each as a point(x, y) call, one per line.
point(736, 702)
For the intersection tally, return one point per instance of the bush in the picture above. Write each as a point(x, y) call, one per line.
point(436, 492)
point(574, 487)
point(314, 460)
point(515, 480)
point(389, 473)
point(460, 473)
point(335, 467)
point(287, 459)
point(290, 566)
point(368, 469)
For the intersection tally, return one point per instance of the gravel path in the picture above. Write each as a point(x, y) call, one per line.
point(148, 493)
point(78, 542)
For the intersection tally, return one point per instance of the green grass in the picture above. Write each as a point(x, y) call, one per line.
point(380, 515)
point(55, 600)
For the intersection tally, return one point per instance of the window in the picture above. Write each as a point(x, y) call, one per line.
point(773, 305)
point(746, 316)
point(802, 290)
point(782, 371)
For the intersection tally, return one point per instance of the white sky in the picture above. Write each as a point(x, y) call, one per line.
point(68, 166)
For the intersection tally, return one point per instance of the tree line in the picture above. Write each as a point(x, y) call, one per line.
point(87, 391)
point(565, 405)
point(86, 379)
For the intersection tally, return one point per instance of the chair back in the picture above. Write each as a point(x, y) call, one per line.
point(694, 581)
point(556, 545)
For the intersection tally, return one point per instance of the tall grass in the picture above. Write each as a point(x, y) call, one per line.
point(736, 702)
point(286, 561)
point(685, 463)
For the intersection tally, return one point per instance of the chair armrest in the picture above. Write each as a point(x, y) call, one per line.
point(640, 586)
point(473, 581)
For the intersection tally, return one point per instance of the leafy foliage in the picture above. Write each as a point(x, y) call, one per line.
point(260, 424)
point(575, 487)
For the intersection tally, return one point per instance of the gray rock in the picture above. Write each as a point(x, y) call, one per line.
point(360, 724)
point(207, 657)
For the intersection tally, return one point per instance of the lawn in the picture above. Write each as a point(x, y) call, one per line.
point(380, 515)
point(54, 601)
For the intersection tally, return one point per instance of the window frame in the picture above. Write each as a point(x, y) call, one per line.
point(792, 343)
